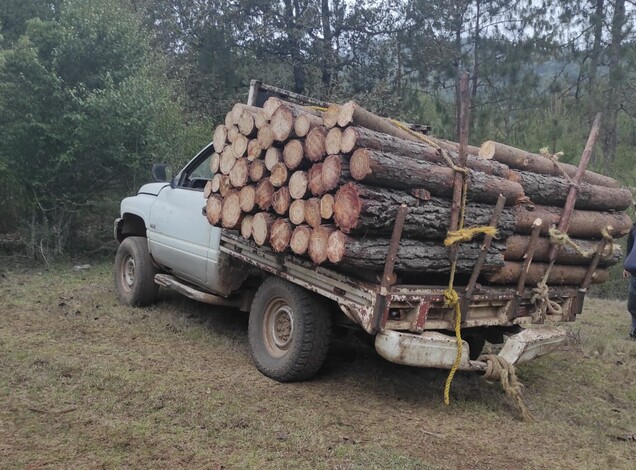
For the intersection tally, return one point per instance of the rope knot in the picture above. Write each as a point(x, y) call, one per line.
point(497, 368)
point(451, 298)
point(467, 234)
point(541, 298)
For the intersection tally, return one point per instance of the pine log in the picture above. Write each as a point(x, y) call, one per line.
point(293, 154)
point(207, 190)
point(247, 198)
point(360, 209)
point(231, 213)
point(260, 119)
point(232, 133)
point(312, 212)
point(213, 209)
point(216, 183)
point(279, 175)
point(319, 243)
point(352, 113)
point(537, 163)
point(272, 157)
point(334, 172)
point(299, 242)
point(544, 189)
point(227, 160)
point(225, 186)
point(298, 184)
point(359, 137)
point(297, 212)
point(326, 206)
point(331, 115)
point(560, 274)
point(314, 177)
point(246, 124)
point(239, 146)
point(215, 161)
point(306, 122)
point(333, 141)
point(583, 224)
point(281, 200)
point(254, 150)
point(220, 138)
point(265, 136)
point(257, 170)
point(261, 224)
point(239, 173)
point(264, 193)
point(375, 167)
point(280, 235)
point(412, 256)
point(239, 108)
point(246, 226)
point(315, 144)
point(282, 122)
point(516, 246)
point(270, 106)
point(228, 119)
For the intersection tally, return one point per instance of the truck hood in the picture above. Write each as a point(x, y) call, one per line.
point(152, 188)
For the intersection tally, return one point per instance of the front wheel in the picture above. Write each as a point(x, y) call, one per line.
point(135, 273)
point(289, 331)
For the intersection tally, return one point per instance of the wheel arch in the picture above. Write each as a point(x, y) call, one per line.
point(130, 225)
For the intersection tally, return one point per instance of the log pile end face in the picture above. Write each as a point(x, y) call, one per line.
point(360, 165)
point(347, 207)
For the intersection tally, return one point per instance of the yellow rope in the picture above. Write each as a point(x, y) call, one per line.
point(316, 108)
point(498, 368)
point(467, 234)
point(563, 239)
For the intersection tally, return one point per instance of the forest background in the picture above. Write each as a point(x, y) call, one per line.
point(92, 92)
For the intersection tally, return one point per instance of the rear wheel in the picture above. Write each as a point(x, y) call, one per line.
point(289, 331)
point(135, 273)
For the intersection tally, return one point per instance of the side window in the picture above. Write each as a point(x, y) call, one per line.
point(197, 177)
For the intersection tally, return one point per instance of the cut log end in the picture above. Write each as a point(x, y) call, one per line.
point(261, 224)
point(220, 138)
point(213, 209)
point(297, 212)
point(293, 154)
point(226, 160)
point(231, 211)
point(331, 172)
point(314, 177)
point(215, 161)
point(265, 136)
point(333, 141)
point(298, 184)
point(254, 150)
point(360, 164)
point(239, 146)
point(232, 133)
point(270, 106)
point(239, 173)
point(280, 235)
point(305, 122)
point(312, 212)
point(315, 144)
point(347, 207)
point(247, 198)
point(349, 140)
point(264, 193)
point(246, 226)
point(272, 157)
point(207, 190)
point(336, 246)
point(331, 115)
point(257, 170)
point(282, 123)
point(345, 117)
point(326, 206)
point(281, 201)
point(278, 176)
point(318, 243)
point(246, 124)
point(299, 242)
point(487, 150)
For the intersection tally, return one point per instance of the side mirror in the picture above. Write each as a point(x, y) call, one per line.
point(161, 172)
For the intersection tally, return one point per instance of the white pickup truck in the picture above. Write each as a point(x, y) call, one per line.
point(166, 240)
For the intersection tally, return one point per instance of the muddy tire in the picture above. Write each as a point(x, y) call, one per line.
point(135, 273)
point(289, 331)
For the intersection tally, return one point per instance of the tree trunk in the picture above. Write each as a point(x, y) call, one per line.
point(537, 163)
point(261, 224)
point(543, 189)
point(412, 256)
point(298, 184)
point(297, 212)
point(560, 274)
point(359, 137)
point(374, 167)
point(315, 144)
point(583, 224)
point(360, 209)
point(516, 246)
point(280, 235)
point(281, 201)
point(300, 239)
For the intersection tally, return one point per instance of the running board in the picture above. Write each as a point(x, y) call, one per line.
point(172, 283)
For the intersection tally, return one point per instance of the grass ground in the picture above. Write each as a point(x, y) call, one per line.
point(88, 383)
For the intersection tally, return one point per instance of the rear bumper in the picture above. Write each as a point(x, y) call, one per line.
point(436, 350)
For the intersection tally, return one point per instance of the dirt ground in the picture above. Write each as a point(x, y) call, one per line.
point(88, 383)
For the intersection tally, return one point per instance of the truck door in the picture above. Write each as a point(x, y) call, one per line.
point(178, 233)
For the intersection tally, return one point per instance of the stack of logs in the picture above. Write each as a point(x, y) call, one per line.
point(328, 184)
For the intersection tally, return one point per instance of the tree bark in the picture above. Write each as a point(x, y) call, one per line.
point(299, 242)
point(281, 200)
point(583, 224)
point(412, 256)
point(297, 212)
point(544, 189)
point(315, 144)
point(560, 274)
point(537, 163)
point(374, 167)
point(231, 213)
point(280, 235)
point(298, 184)
point(261, 224)
point(516, 246)
point(360, 209)
point(359, 137)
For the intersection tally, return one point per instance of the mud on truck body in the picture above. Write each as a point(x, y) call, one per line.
point(165, 240)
